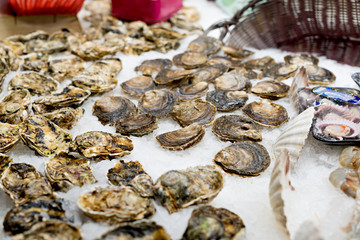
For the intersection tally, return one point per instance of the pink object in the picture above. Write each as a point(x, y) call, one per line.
point(46, 7)
point(149, 11)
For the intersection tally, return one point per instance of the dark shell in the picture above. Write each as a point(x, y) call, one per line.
point(4, 163)
point(227, 101)
point(280, 71)
point(14, 107)
point(319, 76)
point(153, 66)
point(157, 102)
point(34, 82)
point(65, 118)
point(270, 89)
point(191, 91)
point(168, 76)
point(9, 136)
point(65, 68)
point(208, 222)
point(232, 81)
point(243, 158)
point(205, 44)
point(341, 95)
point(190, 60)
point(208, 73)
point(301, 59)
point(181, 139)
point(138, 85)
point(235, 128)
point(137, 125)
point(259, 63)
point(237, 52)
point(356, 78)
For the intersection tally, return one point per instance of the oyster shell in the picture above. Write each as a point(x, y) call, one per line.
point(228, 62)
point(183, 138)
point(266, 113)
point(157, 102)
point(195, 111)
point(168, 76)
point(5, 161)
point(191, 91)
point(17, 47)
point(14, 106)
point(34, 82)
point(133, 175)
point(65, 118)
point(208, 222)
point(109, 66)
point(153, 66)
point(190, 60)
point(99, 82)
point(232, 81)
point(45, 46)
point(205, 44)
point(9, 60)
point(243, 158)
point(110, 109)
point(208, 73)
point(235, 128)
point(301, 59)
point(23, 183)
point(43, 136)
point(115, 204)
point(9, 136)
point(280, 71)
point(227, 101)
point(237, 52)
point(101, 145)
point(259, 63)
point(65, 68)
point(178, 189)
point(137, 125)
point(318, 75)
point(270, 89)
point(39, 34)
point(186, 19)
point(35, 62)
point(138, 85)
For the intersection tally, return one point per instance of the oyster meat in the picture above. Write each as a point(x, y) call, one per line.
point(280, 71)
point(65, 118)
point(65, 68)
point(191, 91)
point(137, 125)
point(205, 44)
point(153, 66)
point(270, 89)
point(138, 85)
point(14, 107)
point(190, 60)
point(159, 103)
point(232, 81)
point(9, 136)
point(34, 82)
point(5, 161)
point(227, 101)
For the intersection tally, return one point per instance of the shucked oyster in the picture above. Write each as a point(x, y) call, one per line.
point(115, 204)
point(4, 163)
point(227, 101)
point(208, 222)
point(178, 189)
point(9, 136)
point(65, 68)
point(138, 85)
point(14, 106)
point(34, 82)
point(153, 66)
point(137, 125)
point(157, 102)
point(133, 175)
point(65, 118)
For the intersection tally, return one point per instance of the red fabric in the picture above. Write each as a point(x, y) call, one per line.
point(46, 7)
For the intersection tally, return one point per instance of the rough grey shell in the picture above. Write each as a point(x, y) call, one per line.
point(280, 71)
point(9, 136)
point(259, 63)
point(270, 89)
point(137, 125)
point(153, 66)
point(95, 82)
point(34, 82)
point(205, 44)
point(232, 81)
point(4, 163)
point(65, 118)
point(227, 101)
point(157, 102)
point(190, 60)
point(168, 76)
point(138, 85)
point(208, 73)
point(65, 68)
point(110, 66)
point(191, 91)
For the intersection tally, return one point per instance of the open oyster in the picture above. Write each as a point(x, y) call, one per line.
point(208, 222)
point(65, 68)
point(168, 76)
point(232, 81)
point(318, 75)
point(178, 189)
point(301, 59)
point(101, 145)
point(66, 171)
point(208, 73)
point(4, 163)
point(191, 91)
point(137, 125)
point(34, 82)
point(227, 101)
point(235, 128)
point(133, 175)
point(9, 136)
point(138, 85)
point(23, 183)
point(35, 62)
point(153, 66)
point(205, 44)
point(259, 63)
point(65, 117)
point(280, 71)
point(270, 89)
point(266, 113)
point(43, 136)
point(14, 106)
point(243, 158)
point(140, 230)
point(237, 52)
point(183, 138)
point(157, 102)
point(115, 204)
point(190, 60)
point(195, 111)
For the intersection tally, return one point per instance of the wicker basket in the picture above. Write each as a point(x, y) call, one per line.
point(327, 27)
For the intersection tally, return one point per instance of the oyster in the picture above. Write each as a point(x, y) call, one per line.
point(3, 72)
point(43, 136)
point(266, 113)
point(235, 128)
point(168, 76)
point(178, 189)
point(17, 47)
point(350, 157)
point(190, 60)
point(66, 171)
point(270, 89)
point(9, 60)
point(186, 19)
point(110, 109)
point(237, 52)
point(195, 111)
point(280, 71)
point(45, 46)
point(109, 66)
point(157, 102)
point(301, 59)
point(136, 46)
point(21, 218)
point(138, 85)
point(23, 183)
point(65, 68)
point(227, 101)
point(153, 66)
point(99, 82)
point(248, 73)
point(115, 204)
point(191, 91)
point(243, 158)
point(9, 136)
point(101, 145)
point(208, 73)
point(137, 125)
point(5, 161)
point(205, 44)
point(318, 75)
point(259, 63)
point(39, 34)
point(133, 175)
point(14, 106)
point(208, 222)
point(140, 230)
point(65, 117)
point(35, 62)
point(183, 138)
point(34, 82)
point(232, 81)
point(347, 180)
point(228, 62)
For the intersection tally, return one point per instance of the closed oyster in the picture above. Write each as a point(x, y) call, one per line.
point(195, 111)
point(43, 136)
point(45, 46)
point(109, 66)
point(115, 204)
point(183, 138)
point(66, 171)
point(243, 158)
point(3, 72)
point(227, 101)
point(14, 106)
point(95, 82)
point(208, 222)
point(270, 89)
point(168, 76)
point(21, 218)
point(110, 109)
point(153, 66)
point(65, 117)
point(157, 102)
point(186, 19)
point(101, 145)
point(248, 73)
point(140, 230)
point(280, 71)
point(35, 62)
point(266, 113)
point(237, 52)
point(178, 189)
point(232, 81)
point(23, 183)
point(228, 62)
point(205, 44)
point(17, 47)
point(208, 73)
point(4, 163)
point(138, 85)
point(34, 82)
point(318, 75)
point(301, 59)
point(190, 60)
point(39, 34)
point(259, 63)
point(133, 175)
point(191, 91)
point(235, 128)
point(137, 125)
point(9, 136)
point(65, 68)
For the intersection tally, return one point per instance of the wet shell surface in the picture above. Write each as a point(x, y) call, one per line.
point(191, 91)
point(178, 189)
point(280, 71)
point(65, 118)
point(4, 163)
point(168, 76)
point(205, 44)
point(115, 204)
point(196, 111)
point(95, 82)
point(208, 73)
point(232, 81)
point(66, 171)
point(34, 82)
point(227, 101)
point(181, 139)
point(138, 85)
point(65, 68)
point(319, 76)
point(35, 62)
point(9, 136)
point(235, 128)
point(243, 158)
point(137, 125)
point(237, 52)
point(259, 63)
point(228, 62)
point(110, 109)
point(266, 113)
point(270, 89)
point(153, 66)
point(102, 145)
point(43, 136)
point(110, 66)
point(190, 60)
point(159, 103)
point(208, 222)
point(301, 59)
point(133, 175)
